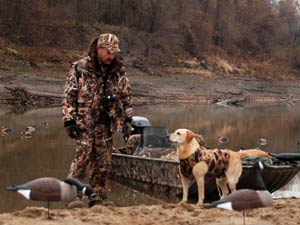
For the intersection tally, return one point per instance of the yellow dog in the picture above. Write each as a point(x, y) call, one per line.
point(196, 161)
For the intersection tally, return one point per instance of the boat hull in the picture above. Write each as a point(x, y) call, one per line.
point(162, 176)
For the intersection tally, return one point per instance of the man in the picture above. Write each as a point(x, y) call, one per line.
point(96, 104)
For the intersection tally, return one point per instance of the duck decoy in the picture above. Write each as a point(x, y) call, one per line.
point(246, 198)
point(43, 123)
point(50, 189)
point(30, 129)
point(262, 141)
point(223, 140)
point(5, 130)
point(28, 132)
point(26, 135)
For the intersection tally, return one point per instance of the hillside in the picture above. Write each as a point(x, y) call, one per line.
point(196, 51)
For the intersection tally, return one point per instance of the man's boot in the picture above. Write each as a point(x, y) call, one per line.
point(99, 199)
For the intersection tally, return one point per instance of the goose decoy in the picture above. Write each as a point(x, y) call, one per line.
point(85, 189)
point(246, 198)
point(5, 130)
point(223, 140)
point(50, 189)
point(243, 199)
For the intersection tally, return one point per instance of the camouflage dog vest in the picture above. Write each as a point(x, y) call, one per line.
point(216, 160)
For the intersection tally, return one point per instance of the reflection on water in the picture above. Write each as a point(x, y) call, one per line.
point(49, 151)
point(244, 127)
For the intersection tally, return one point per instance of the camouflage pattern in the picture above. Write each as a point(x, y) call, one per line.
point(133, 142)
point(99, 112)
point(94, 149)
point(160, 173)
point(84, 99)
point(110, 42)
point(217, 162)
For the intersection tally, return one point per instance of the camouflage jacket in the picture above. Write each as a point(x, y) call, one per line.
point(85, 95)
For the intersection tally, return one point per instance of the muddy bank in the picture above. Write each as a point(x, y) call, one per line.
point(34, 88)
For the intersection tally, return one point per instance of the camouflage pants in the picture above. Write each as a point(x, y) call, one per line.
point(94, 152)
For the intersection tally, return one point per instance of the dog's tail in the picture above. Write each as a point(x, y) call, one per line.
point(254, 153)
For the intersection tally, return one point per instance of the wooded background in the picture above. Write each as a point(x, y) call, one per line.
point(161, 31)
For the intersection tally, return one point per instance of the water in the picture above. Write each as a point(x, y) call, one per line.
point(49, 152)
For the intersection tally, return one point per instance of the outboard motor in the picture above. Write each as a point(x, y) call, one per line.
point(147, 140)
point(138, 123)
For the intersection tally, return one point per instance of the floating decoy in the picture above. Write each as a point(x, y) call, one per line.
point(50, 189)
point(43, 123)
point(28, 132)
point(30, 129)
point(26, 135)
point(5, 130)
point(223, 140)
point(262, 141)
point(246, 198)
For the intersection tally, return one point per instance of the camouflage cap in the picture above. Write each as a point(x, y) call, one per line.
point(110, 42)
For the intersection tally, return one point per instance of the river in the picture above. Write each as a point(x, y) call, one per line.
point(49, 151)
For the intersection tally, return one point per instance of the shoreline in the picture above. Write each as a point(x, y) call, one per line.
point(283, 211)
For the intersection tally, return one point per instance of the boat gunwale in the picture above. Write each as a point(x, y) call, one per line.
point(145, 158)
point(271, 166)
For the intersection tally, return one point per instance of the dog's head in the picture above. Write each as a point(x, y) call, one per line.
point(181, 136)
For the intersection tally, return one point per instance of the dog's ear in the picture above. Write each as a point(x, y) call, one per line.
point(189, 135)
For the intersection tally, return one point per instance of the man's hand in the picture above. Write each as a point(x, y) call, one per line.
point(126, 131)
point(127, 126)
point(128, 112)
point(72, 129)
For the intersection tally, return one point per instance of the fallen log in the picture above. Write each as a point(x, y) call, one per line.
point(20, 96)
point(231, 102)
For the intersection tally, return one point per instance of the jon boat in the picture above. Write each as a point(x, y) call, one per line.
point(153, 173)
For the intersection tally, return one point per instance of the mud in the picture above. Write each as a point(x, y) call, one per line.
point(44, 87)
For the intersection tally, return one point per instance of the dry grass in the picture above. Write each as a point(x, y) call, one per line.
point(38, 56)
